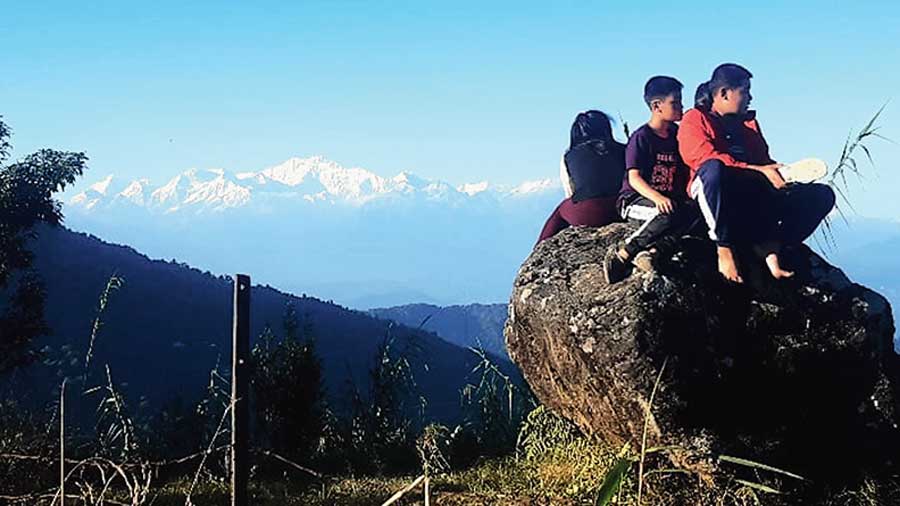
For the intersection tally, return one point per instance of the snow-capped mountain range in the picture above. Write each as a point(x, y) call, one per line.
point(314, 179)
point(310, 225)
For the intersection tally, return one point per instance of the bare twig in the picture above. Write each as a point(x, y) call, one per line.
point(400, 493)
point(209, 449)
point(62, 442)
point(31, 498)
point(98, 462)
point(187, 458)
point(158, 463)
point(295, 465)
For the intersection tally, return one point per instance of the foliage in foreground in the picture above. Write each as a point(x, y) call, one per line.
point(554, 464)
point(287, 393)
point(26, 199)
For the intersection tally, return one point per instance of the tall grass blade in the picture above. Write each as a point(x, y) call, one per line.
point(647, 416)
point(756, 465)
point(62, 442)
point(612, 482)
point(759, 486)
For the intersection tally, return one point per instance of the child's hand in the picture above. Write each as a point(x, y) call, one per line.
point(664, 204)
point(772, 174)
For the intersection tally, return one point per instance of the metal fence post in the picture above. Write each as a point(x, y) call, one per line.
point(239, 390)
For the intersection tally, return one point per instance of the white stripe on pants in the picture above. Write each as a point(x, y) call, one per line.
point(698, 195)
point(645, 213)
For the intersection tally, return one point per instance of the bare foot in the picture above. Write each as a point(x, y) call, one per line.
point(727, 265)
point(775, 267)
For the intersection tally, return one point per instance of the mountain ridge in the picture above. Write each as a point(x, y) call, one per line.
point(478, 326)
point(170, 324)
point(312, 179)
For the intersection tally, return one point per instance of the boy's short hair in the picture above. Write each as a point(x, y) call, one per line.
point(728, 75)
point(660, 87)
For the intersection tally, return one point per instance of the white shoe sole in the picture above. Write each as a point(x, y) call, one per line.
point(804, 171)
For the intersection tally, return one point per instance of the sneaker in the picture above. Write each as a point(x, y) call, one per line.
point(804, 171)
point(614, 268)
point(643, 261)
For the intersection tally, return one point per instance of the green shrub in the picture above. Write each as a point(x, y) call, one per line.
point(287, 396)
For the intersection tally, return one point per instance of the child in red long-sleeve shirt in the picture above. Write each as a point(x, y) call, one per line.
point(742, 196)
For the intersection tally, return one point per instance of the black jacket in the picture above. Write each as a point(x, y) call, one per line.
point(595, 169)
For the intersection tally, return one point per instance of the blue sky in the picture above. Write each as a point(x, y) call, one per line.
point(457, 91)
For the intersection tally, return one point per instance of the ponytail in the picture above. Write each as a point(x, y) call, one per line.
point(703, 97)
point(591, 126)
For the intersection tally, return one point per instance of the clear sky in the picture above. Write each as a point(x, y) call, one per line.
point(459, 91)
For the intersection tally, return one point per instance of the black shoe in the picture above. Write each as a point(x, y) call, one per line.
point(667, 246)
point(614, 268)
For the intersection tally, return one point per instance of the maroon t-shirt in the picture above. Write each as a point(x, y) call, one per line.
point(658, 162)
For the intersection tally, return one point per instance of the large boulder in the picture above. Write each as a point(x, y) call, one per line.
point(798, 373)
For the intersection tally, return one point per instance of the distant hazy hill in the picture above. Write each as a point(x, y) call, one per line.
point(867, 250)
point(165, 329)
point(470, 325)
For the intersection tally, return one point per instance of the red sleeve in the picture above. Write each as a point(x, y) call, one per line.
point(695, 142)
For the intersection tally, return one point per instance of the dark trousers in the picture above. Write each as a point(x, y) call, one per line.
point(684, 219)
point(595, 212)
point(741, 207)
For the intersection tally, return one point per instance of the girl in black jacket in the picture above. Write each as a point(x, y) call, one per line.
point(594, 165)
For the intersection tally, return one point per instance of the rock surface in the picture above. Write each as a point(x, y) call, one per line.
point(800, 373)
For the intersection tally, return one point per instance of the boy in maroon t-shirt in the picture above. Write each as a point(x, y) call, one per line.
point(654, 188)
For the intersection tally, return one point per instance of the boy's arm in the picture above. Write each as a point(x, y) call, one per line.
point(696, 146)
point(640, 185)
point(639, 154)
point(770, 169)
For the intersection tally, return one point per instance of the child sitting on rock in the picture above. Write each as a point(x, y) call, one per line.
point(743, 196)
point(593, 167)
point(654, 190)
